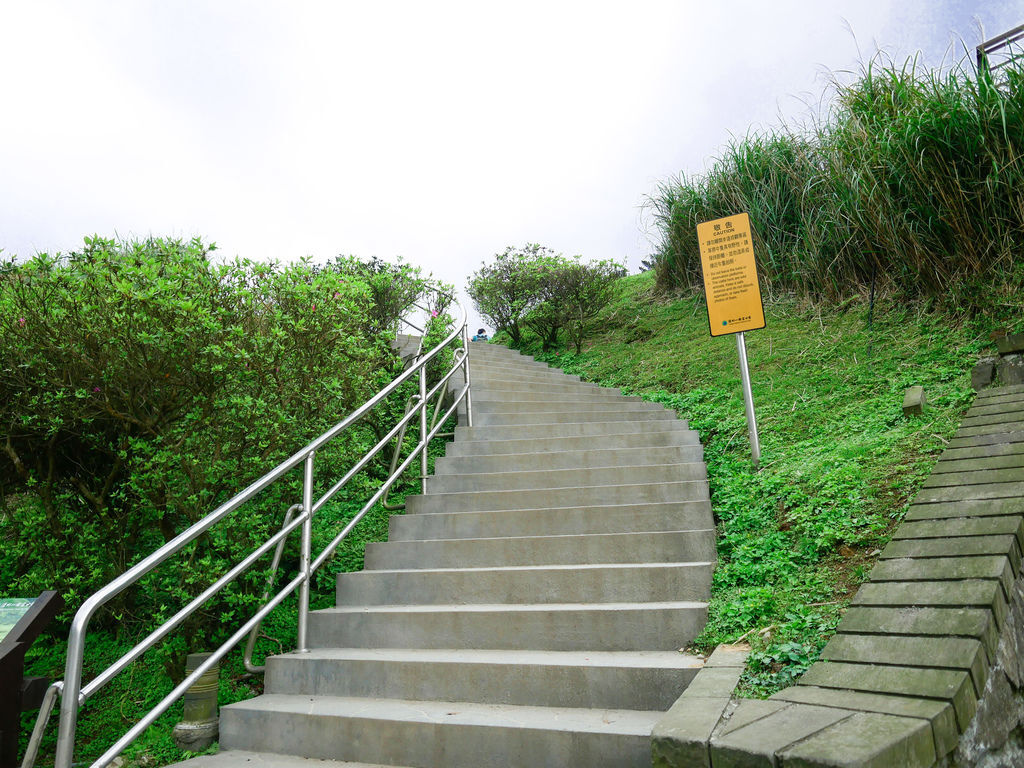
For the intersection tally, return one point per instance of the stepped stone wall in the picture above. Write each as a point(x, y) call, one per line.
point(927, 665)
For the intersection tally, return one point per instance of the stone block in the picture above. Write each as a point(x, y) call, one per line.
point(1010, 343)
point(866, 740)
point(743, 712)
point(995, 567)
point(958, 653)
point(727, 655)
point(913, 401)
point(714, 682)
point(962, 622)
point(971, 507)
point(1011, 371)
point(754, 745)
point(681, 737)
point(968, 526)
point(949, 685)
point(938, 714)
point(983, 374)
point(972, 593)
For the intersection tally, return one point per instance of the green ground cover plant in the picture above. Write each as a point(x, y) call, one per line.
point(840, 462)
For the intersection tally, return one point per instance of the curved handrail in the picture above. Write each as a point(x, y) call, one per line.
point(74, 694)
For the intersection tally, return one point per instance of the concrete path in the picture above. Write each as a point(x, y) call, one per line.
point(526, 611)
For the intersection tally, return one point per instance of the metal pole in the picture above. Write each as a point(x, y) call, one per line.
point(423, 429)
point(306, 553)
point(465, 369)
point(748, 400)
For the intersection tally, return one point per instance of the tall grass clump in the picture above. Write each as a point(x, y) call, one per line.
point(914, 177)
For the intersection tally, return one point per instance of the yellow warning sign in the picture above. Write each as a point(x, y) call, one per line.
point(730, 275)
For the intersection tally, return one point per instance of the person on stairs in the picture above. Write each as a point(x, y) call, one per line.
point(481, 335)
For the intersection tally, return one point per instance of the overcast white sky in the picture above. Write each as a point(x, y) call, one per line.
point(439, 131)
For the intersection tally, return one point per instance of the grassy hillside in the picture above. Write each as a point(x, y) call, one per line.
point(840, 462)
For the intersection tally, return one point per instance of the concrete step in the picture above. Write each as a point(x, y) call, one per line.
point(595, 429)
point(554, 521)
point(521, 378)
point(643, 547)
point(622, 457)
point(439, 734)
point(598, 583)
point(552, 419)
point(659, 434)
point(500, 389)
point(489, 501)
point(535, 479)
point(597, 405)
point(647, 626)
point(488, 398)
point(498, 371)
point(650, 680)
point(237, 758)
point(507, 362)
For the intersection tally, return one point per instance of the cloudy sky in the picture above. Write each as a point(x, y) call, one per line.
point(439, 131)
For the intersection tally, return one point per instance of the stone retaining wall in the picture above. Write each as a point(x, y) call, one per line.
point(926, 666)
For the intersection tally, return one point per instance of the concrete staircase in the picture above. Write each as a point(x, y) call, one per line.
point(526, 611)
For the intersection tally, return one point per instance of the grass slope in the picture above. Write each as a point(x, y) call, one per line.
point(840, 462)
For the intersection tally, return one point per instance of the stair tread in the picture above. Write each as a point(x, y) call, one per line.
point(642, 659)
point(509, 607)
point(549, 567)
point(236, 758)
point(621, 721)
point(563, 536)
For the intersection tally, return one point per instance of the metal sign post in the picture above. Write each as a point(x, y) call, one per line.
point(733, 296)
point(748, 400)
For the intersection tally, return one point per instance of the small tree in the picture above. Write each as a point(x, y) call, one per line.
point(505, 290)
point(583, 290)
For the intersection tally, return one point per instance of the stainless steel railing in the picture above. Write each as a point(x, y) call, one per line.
point(74, 693)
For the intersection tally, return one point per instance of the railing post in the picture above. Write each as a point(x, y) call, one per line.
point(423, 429)
point(306, 553)
point(465, 371)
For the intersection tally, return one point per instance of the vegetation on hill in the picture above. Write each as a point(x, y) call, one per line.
point(914, 177)
point(840, 462)
point(141, 385)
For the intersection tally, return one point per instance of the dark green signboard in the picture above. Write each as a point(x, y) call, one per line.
point(11, 611)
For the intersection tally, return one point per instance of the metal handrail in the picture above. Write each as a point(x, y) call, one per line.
point(1009, 40)
point(74, 694)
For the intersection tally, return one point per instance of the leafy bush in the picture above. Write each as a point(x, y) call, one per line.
point(544, 291)
point(913, 179)
point(141, 384)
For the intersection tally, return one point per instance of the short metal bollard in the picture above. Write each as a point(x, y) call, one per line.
point(198, 728)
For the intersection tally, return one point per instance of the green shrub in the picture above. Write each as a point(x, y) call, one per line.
point(142, 384)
